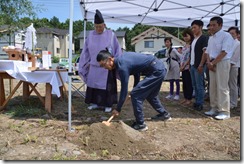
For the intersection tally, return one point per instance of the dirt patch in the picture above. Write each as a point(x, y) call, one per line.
point(117, 139)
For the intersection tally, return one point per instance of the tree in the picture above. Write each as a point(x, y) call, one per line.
point(54, 22)
point(55, 59)
point(78, 27)
point(24, 22)
point(128, 37)
point(12, 10)
point(44, 22)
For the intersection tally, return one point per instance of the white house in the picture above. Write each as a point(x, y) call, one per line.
point(10, 36)
point(152, 40)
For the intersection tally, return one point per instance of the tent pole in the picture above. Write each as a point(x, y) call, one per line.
point(178, 33)
point(70, 60)
point(85, 20)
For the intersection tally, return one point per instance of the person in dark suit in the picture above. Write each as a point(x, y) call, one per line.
point(198, 45)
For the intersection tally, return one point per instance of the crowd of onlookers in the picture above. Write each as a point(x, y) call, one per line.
point(210, 66)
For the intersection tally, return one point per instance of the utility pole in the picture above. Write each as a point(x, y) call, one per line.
point(178, 33)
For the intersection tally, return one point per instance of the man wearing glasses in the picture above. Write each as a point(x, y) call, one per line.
point(131, 63)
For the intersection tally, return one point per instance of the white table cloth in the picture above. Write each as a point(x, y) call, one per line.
point(19, 70)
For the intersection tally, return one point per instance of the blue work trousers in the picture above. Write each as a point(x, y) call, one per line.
point(148, 89)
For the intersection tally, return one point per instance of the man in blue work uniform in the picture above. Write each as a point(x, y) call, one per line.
point(131, 63)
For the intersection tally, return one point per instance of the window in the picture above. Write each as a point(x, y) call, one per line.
point(58, 50)
point(149, 44)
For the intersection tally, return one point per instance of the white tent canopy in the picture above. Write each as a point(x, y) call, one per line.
point(171, 13)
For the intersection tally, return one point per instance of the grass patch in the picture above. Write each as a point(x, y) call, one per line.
point(16, 128)
point(28, 139)
point(43, 122)
point(25, 111)
point(105, 153)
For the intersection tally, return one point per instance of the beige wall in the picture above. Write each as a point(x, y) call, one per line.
point(66, 46)
point(45, 41)
point(56, 45)
point(52, 43)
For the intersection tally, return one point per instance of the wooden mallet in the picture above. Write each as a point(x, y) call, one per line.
point(107, 123)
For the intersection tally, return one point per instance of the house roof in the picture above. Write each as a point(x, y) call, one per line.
point(5, 28)
point(119, 34)
point(57, 31)
point(154, 33)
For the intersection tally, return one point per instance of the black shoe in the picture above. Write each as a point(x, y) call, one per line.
point(162, 116)
point(206, 97)
point(139, 127)
point(199, 107)
point(195, 105)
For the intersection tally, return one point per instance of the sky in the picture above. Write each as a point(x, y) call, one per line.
point(61, 10)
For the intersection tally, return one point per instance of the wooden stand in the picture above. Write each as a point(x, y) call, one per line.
point(32, 59)
point(14, 54)
point(17, 54)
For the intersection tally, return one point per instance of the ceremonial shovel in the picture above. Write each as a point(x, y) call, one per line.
point(107, 123)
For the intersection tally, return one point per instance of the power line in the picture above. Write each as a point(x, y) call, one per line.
point(56, 4)
point(57, 8)
point(53, 2)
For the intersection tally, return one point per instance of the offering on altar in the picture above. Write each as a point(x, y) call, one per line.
point(15, 53)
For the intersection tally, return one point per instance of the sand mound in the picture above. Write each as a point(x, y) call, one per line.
point(118, 138)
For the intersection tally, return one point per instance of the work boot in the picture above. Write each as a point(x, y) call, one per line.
point(169, 97)
point(162, 116)
point(222, 116)
point(212, 112)
point(92, 106)
point(139, 127)
point(108, 109)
